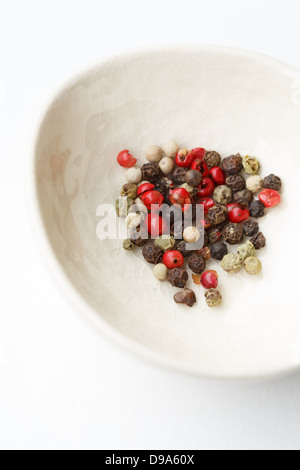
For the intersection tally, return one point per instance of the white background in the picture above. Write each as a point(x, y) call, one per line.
point(61, 384)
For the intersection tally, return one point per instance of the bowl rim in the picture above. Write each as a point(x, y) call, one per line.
point(68, 291)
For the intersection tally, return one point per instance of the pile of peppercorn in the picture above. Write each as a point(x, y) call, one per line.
point(185, 178)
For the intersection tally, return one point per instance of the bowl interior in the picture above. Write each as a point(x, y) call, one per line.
point(222, 99)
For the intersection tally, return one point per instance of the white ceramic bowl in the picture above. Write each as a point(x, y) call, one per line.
point(220, 98)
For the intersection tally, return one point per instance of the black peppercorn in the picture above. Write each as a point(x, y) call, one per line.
point(233, 234)
point(163, 185)
point(236, 183)
point(218, 250)
point(152, 253)
point(243, 197)
point(214, 235)
point(222, 225)
point(250, 228)
point(204, 253)
point(193, 177)
point(151, 172)
point(185, 296)
point(178, 175)
point(182, 247)
point(272, 182)
point(178, 277)
point(212, 158)
point(177, 230)
point(232, 165)
point(257, 209)
point(217, 214)
point(139, 236)
point(197, 264)
point(259, 241)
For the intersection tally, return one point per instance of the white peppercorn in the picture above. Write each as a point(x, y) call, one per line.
point(133, 220)
point(253, 265)
point(170, 148)
point(166, 165)
point(133, 175)
point(254, 183)
point(154, 153)
point(191, 234)
point(160, 271)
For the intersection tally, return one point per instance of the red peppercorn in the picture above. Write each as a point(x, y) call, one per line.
point(152, 198)
point(206, 187)
point(218, 175)
point(184, 158)
point(180, 196)
point(209, 279)
point(237, 215)
point(173, 259)
point(201, 166)
point(198, 152)
point(233, 205)
point(145, 187)
point(156, 225)
point(270, 197)
point(125, 159)
point(208, 203)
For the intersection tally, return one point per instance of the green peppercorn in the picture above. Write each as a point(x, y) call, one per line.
point(165, 242)
point(129, 190)
point(251, 165)
point(128, 245)
point(190, 189)
point(246, 250)
point(253, 265)
point(231, 263)
point(213, 298)
point(123, 205)
point(222, 195)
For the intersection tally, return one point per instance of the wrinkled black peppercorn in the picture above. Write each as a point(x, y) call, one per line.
point(257, 209)
point(272, 182)
point(151, 172)
point(217, 214)
point(212, 158)
point(222, 225)
point(177, 230)
point(259, 241)
point(178, 175)
point(181, 246)
point(152, 253)
point(197, 264)
point(233, 164)
point(250, 228)
point(233, 234)
point(139, 236)
point(193, 177)
point(214, 235)
point(178, 277)
point(163, 185)
point(236, 183)
point(243, 197)
point(204, 253)
point(185, 296)
point(218, 250)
